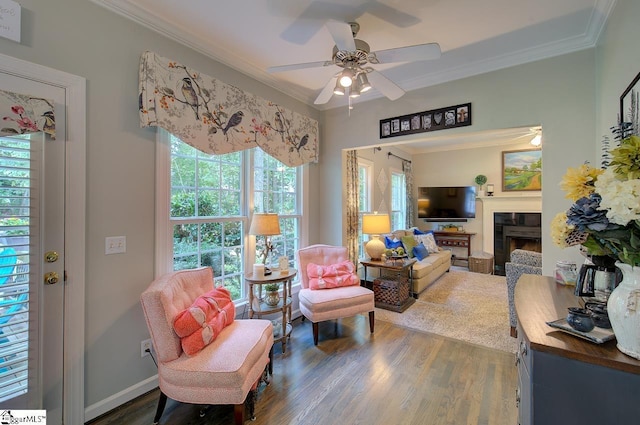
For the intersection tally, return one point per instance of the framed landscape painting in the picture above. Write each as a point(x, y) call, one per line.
point(522, 170)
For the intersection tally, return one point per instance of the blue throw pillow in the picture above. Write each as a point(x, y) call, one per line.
point(390, 244)
point(417, 231)
point(420, 252)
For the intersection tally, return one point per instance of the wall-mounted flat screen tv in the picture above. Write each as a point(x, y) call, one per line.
point(449, 203)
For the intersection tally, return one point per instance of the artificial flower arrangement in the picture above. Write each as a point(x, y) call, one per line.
point(605, 216)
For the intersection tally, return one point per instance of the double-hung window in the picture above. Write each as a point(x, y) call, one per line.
point(204, 206)
point(398, 200)
point(276, 191)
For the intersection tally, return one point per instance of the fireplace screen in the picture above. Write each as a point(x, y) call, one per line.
point(515, 231)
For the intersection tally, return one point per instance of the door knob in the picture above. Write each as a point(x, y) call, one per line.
point(51, 256)
point(51, 278)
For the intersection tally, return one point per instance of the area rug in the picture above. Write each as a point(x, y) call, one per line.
point(467, 306)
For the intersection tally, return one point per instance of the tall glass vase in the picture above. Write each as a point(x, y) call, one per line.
point(623, 307)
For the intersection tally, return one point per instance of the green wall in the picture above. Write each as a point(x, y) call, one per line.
point(556, 93)
point(571, 96)
point(82, 38)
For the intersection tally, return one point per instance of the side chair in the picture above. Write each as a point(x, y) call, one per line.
point(319, 305)
point(521, 262)
point(226, 371)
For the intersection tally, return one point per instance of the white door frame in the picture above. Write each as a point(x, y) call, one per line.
point(75, 232)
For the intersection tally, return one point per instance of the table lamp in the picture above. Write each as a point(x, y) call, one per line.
point(265, 224)
point(375, 225)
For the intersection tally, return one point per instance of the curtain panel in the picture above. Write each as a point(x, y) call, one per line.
point(23, 114)
point(408, 181)
point(353, 208)
point(218, 118)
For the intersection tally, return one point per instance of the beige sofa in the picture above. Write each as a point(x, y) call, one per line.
point(427, 270)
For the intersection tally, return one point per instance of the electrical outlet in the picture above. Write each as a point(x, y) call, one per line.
point(144, 346)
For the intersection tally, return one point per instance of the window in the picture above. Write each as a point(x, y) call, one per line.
point(18, 188)
point(276, 191)
point(365, 178)
point(398, 200)
point(210, 198)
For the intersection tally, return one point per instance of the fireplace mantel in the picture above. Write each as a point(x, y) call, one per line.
point(526, 202)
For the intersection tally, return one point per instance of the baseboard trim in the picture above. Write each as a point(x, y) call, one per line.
point(128, 394)
point(120, 398)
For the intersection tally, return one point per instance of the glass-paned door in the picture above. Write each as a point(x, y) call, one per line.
point(32, 258)
point(15, 228)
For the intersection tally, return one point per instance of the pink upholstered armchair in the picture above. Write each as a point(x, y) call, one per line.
point(320, 305)
point(227, 370)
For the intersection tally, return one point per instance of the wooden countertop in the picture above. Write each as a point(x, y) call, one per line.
point(539, 299)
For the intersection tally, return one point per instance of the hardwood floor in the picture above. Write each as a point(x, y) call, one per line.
point(395, 376)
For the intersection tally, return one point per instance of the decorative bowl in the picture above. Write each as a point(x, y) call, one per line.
point(580, 319)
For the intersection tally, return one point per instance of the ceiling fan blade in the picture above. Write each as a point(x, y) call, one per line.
point(342, 35)
point(419, 52)
point(385, 85)
point(326, 92)
point(295, 66)
point(391, 15)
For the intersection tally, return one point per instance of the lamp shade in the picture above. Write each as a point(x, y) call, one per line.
point(265, 224)
point(375, 224)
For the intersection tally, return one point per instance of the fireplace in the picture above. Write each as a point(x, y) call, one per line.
point(514, 230)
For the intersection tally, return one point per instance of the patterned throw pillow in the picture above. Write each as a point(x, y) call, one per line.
point(332, 275)
point(428, 241)
point(200, 324)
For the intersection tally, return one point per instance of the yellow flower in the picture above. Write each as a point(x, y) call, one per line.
point(626, 159)
point(560, 230)
point(578, 182)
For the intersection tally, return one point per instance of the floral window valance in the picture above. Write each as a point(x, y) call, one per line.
point(218, 118)
point(23, 114)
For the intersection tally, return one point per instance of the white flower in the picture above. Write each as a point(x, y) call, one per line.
point(619, 198)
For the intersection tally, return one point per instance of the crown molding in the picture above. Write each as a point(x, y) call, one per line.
point(180, 35)
point(463, 69)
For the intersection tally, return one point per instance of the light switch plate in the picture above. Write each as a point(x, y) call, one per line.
point(115, 245)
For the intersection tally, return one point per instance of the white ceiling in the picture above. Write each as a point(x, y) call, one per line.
point(475, 36)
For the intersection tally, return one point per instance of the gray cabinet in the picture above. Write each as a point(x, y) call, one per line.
point(523, 392)
point(563, 379)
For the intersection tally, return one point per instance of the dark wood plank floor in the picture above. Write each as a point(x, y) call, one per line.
point(395, 376)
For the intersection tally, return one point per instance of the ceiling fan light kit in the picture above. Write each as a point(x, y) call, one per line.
point(363, 82)
point(346, 78)
point(352, 55)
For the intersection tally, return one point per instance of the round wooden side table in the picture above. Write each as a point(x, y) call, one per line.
point(258, 306)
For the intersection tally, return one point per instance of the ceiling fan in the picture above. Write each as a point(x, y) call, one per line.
point(355, 57)
point(534, 134)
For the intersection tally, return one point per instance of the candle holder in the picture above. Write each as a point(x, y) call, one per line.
point(489, 190)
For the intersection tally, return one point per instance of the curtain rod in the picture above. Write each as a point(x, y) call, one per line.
point(393, 154)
